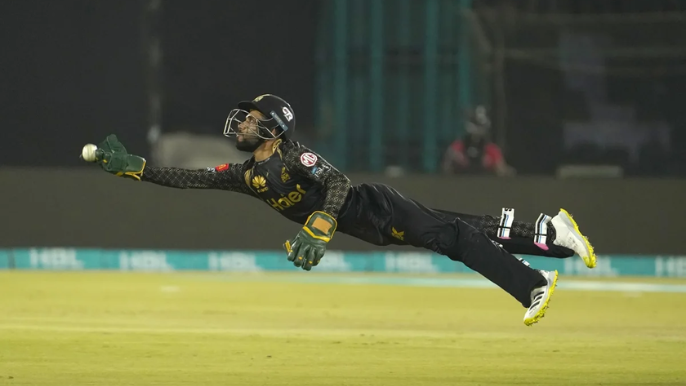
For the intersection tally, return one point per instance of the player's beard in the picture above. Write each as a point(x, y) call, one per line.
point(249, 143)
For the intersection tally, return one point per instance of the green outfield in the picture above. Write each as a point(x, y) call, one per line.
point(96, 328)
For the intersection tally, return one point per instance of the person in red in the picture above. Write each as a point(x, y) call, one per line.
point(475, 153)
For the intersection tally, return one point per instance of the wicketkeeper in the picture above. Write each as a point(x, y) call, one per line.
point(299, 184)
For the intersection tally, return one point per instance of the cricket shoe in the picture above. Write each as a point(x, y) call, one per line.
point(569, 236)
point(540, 297)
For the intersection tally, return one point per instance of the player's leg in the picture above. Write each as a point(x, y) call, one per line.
point(519, 238)
point(557, 236)
point(411, 223)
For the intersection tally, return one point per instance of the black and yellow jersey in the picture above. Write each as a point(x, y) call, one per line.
point(295, 181)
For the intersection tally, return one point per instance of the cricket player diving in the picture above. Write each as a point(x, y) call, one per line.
point(302, 186)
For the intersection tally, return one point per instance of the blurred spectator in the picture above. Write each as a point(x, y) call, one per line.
point(474, 153)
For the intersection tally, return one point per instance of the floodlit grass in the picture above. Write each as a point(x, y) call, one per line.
point(96, 328)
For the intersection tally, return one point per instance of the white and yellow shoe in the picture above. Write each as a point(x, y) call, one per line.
point(540, 297)
point(569, 236)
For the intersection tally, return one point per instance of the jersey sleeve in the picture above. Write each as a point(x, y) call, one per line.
point(224, 177)
point(309, 164)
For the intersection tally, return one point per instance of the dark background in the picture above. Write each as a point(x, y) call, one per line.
point(73, 71)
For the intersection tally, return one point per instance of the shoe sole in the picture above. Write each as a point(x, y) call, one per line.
point(541, 313)
point(589, 260)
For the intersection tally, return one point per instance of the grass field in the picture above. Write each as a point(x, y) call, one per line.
point(242, 329)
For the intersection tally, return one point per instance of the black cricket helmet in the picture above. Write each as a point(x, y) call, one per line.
point(277, 112)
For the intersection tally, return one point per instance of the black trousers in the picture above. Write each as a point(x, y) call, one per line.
point(521, 239)
point(380, 215)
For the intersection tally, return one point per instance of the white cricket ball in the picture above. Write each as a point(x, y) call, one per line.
point(88, 152)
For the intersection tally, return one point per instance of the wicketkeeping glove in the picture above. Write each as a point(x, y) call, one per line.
point(112, 156)
point(309, 245)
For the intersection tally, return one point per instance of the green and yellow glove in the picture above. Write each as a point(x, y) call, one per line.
point(112, 156)
point(309, 245)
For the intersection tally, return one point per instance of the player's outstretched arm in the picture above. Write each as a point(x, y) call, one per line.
point(224, 177)
point(309, 245)
point(113, 157)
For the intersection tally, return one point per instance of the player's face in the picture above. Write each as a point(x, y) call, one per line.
point(249, 126)
point(246, 138)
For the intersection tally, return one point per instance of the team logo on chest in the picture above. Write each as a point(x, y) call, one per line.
point(284, 175)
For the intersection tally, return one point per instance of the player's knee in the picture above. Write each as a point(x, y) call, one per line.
point(446, 240)
point(457, 240)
